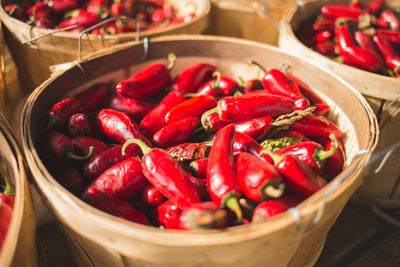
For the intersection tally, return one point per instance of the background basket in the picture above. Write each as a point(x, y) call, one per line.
point(379, 91)
point(99, 239)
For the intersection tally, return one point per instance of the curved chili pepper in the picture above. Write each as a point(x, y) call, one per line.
point(83, 145)
point(258, 179)
point(336, 11)
point(389, 17)
point(93, 98)
point(176, 132)
point(211, 121)
point(119, 127)
point(189, 151)
point(198, 168)
point(269, 208)
point(6, 213)
point(108, 158)
point(190, 79)
point(255, 128)
point(8, 194)
point(250, 106)
point(135, 109)
point(365, 42)
point(152, 195)
point(148, 81)
point(334, 164)
point(393, 63)
point(244, 143)
point(323, 36)
point(78, 125)
point(62, 6)
point(365, 59)
point(69, 177)
point(193, 107)
point(155, 119)
point(382, 23)
point(222, 182)
point(374, 7)
point(316, 126)
point(112, 205)
point(392, 36)
point(221, 85)
point(166, 174)
point(61, 112)
point(324, 25)
point(325, 48)
point(81, 18)
point(168, 215)
point(384, 46)
point(311, 153)
point(344, 38)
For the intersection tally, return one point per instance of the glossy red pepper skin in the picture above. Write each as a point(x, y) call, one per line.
point(93, 98)
point(69, 177)
point(134, 108)
point(190, 79)
point(392, 36)
point(325, 48)
point(312, 126)
point(176, 133)
point(380, 23)
point(256, 176)
point(252, 85)
point(323, 36)
point(82, 144)
point(189, 151)
point(244, 143)
point(193, 107)
point(363, 58)
point(250, 106)
point(108, 158)
point(393, 63)
point(152, 195)
point(355, 4)
point(168, 214)
point(7, 199)
point(324, 25)
point(198, 168)
point(119, 127)
point(365, 42)
point(62, 6)
point(334, 165)
point(335, 11)
point(219, 86)
point(56, 145)
point(213, 123)
point(374, 7)
point(344, 38)
point(299, 177)
point(255, 128)
point(201, 186)
point(384, 46)
point(78, 125)
point(82, 18)
point(389, 17)
point(62, 111)
point(269, 208)
point(6, 213)
point(112, 205)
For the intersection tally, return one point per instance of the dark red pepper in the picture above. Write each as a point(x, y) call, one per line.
point(198, 168)
point(83, 145)
point(324, 25)
point(365, 42)
point(40, 11)
point(168, 215)
point(166, 174)
point(389, 17)
point(15, 10)
point(269, 208)
point(316, 126)
point(8, 194)
point(134, 108)
point(190, 79)
point(336, 11)
point(244, 143)
point(201, 186)
point(363, 58)
point(61, 112)
point(68, 176)
point(93, 98)
point(78, 125)
point(374, 7)
point(392, 36)
point(147, 82)
point(384, 46)
point(189, 151)
point(152, 195)
point(119, 127)
point(219, 86)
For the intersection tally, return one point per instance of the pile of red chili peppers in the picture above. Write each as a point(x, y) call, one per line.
point(7, 199)
point(57, 14)
point(367, 37)
point(199, 150)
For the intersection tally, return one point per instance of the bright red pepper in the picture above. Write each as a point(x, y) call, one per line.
point(220, 85)
point(40, 11)
point(365, 42)
point(8, 194)
point(176, 133)
point(211, 121)
point(336, 11)
point(198, 168)
point(355, 4)
point(62, 6)
point(381, 23)
point(158, 15)
point(269, 208)
point(334, 164)
point(78, 125)
point(134, 108)
point(190, 79)
point(365, 59)
point(119, 127)
point(147, 82)
point(393, 63)
point(112, 205)
point(222, 182)
point(392, 36)
point(83, 145)
point(152, 195)
point(316, 126)
point(189, 151)
point(258, 179)
point(201, 186)
point(60, 113)
point(389, 17)
point(167, 175)
point(325, 48)
point(6, 213)
point(324, 25)
point(323, 36)
point(68, 176)
point(244, 143)
point(384, 46)
point(93, 98)
point(374, 7)
point(344, 38)
point(81, 18)
point(168, 215)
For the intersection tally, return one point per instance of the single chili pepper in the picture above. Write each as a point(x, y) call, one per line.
point(363, 58)
point(176, 132)
point(93, 98)
point(8, 194)
point(105, 202)
point(222, 182)
point(168, 214)
point(355, 4)
point(119, 127)
point(201, 186)
point(211, 121)
point(251, 85)
point(381, 23)
point(61, 111)
point(384, 46)
point(83, 145)
point(250, 106)
point(69, 177)
point(393, 63)
point(220, 85)
point(324, 25)
point(335, 11)
point(244, 143)
point(390, 17)
point(166, 174)
point(325, 48)
point(365, 42)
point(344, 38)
point(100, 7)
point(269, 208)
point(276, 144)
point(374, 7)
point(189, 151)
point(316, 126)
point(39, 11)
point(392, 36)
point(345, 61)
point(193, 107)
point(62, 6)
point(323, 36)
point(152, 195)
point(198, 168)
point(59, 147)
point(134, 108)
point(258, 179)
point(78, 125)
point(6, 213)
point(334, 164)
point(190, 79)
point(80, 18)
point(294, 134)
point(117, 9)
point(298, 176)
point(158, 15)
point(155, 119)
point(255, 128)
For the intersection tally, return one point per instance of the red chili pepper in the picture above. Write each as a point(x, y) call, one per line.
point(6, 213)
point(168, 214)
point(324, 25)
point(99, 7)
point(316, 126)
point(61, 112)
point(152, 195)
point(158, 15)
point(176, 132)
point(244, 143)
point(365, 42)
point(344, 38)
point(201, 186)
point(112, 205)
point(190, 79)
point(135, 109)
point(78, 125)
point(393, 63)
point(185, 19)
point(61, 6)
point(269, 208)
point(80, 18)
point(384, 46)
point(93, 98)
point(15, 10)
point(211, 121)
point(117, 9)
point(355, 4)
point(294, 134)
point(335, 11)
point(83, 145)
point(381, 23)
point(365, 59)
point(68, 176)
point(255, 128)
point(40, 11)
point(198, 168)
point(220, 85)
point(389, 17)
point(323, 36)
point(189, 151)
point(193, 107)
point(119, 127)
point(334, 164)
point(374, 7)
point(311, 153)
point(251, 85)
point(250, 106)
point(166, 174)
point(8, 194)
point(325, 48)
point(222, 182)
point(258, 179)
point(392, 36)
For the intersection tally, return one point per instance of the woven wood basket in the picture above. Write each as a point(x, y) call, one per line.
point(35, 59)
point(379, 91)
point(19, 248)
point(99, 239)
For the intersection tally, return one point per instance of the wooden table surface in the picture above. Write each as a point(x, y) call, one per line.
point(358, 238)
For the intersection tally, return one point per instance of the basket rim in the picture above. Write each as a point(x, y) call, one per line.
point(177, 238)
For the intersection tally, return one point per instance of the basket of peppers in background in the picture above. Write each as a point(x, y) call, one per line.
point(186, 144)
point(359, 41)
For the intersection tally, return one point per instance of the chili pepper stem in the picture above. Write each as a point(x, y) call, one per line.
point(172, 60)
point(243, 83)
point(252, 62)
point(215, 83)
point(274, 192)
point(322, 155)
point(233, 204)
point(245, 204)
point(275, 157)
point(71, 155)
point(9, 188)
point(204, 121)
point(145, 148)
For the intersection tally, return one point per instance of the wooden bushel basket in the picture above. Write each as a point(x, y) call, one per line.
point(19, 248)
point(34, 60)
point(99, 239)
point(379, 91)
